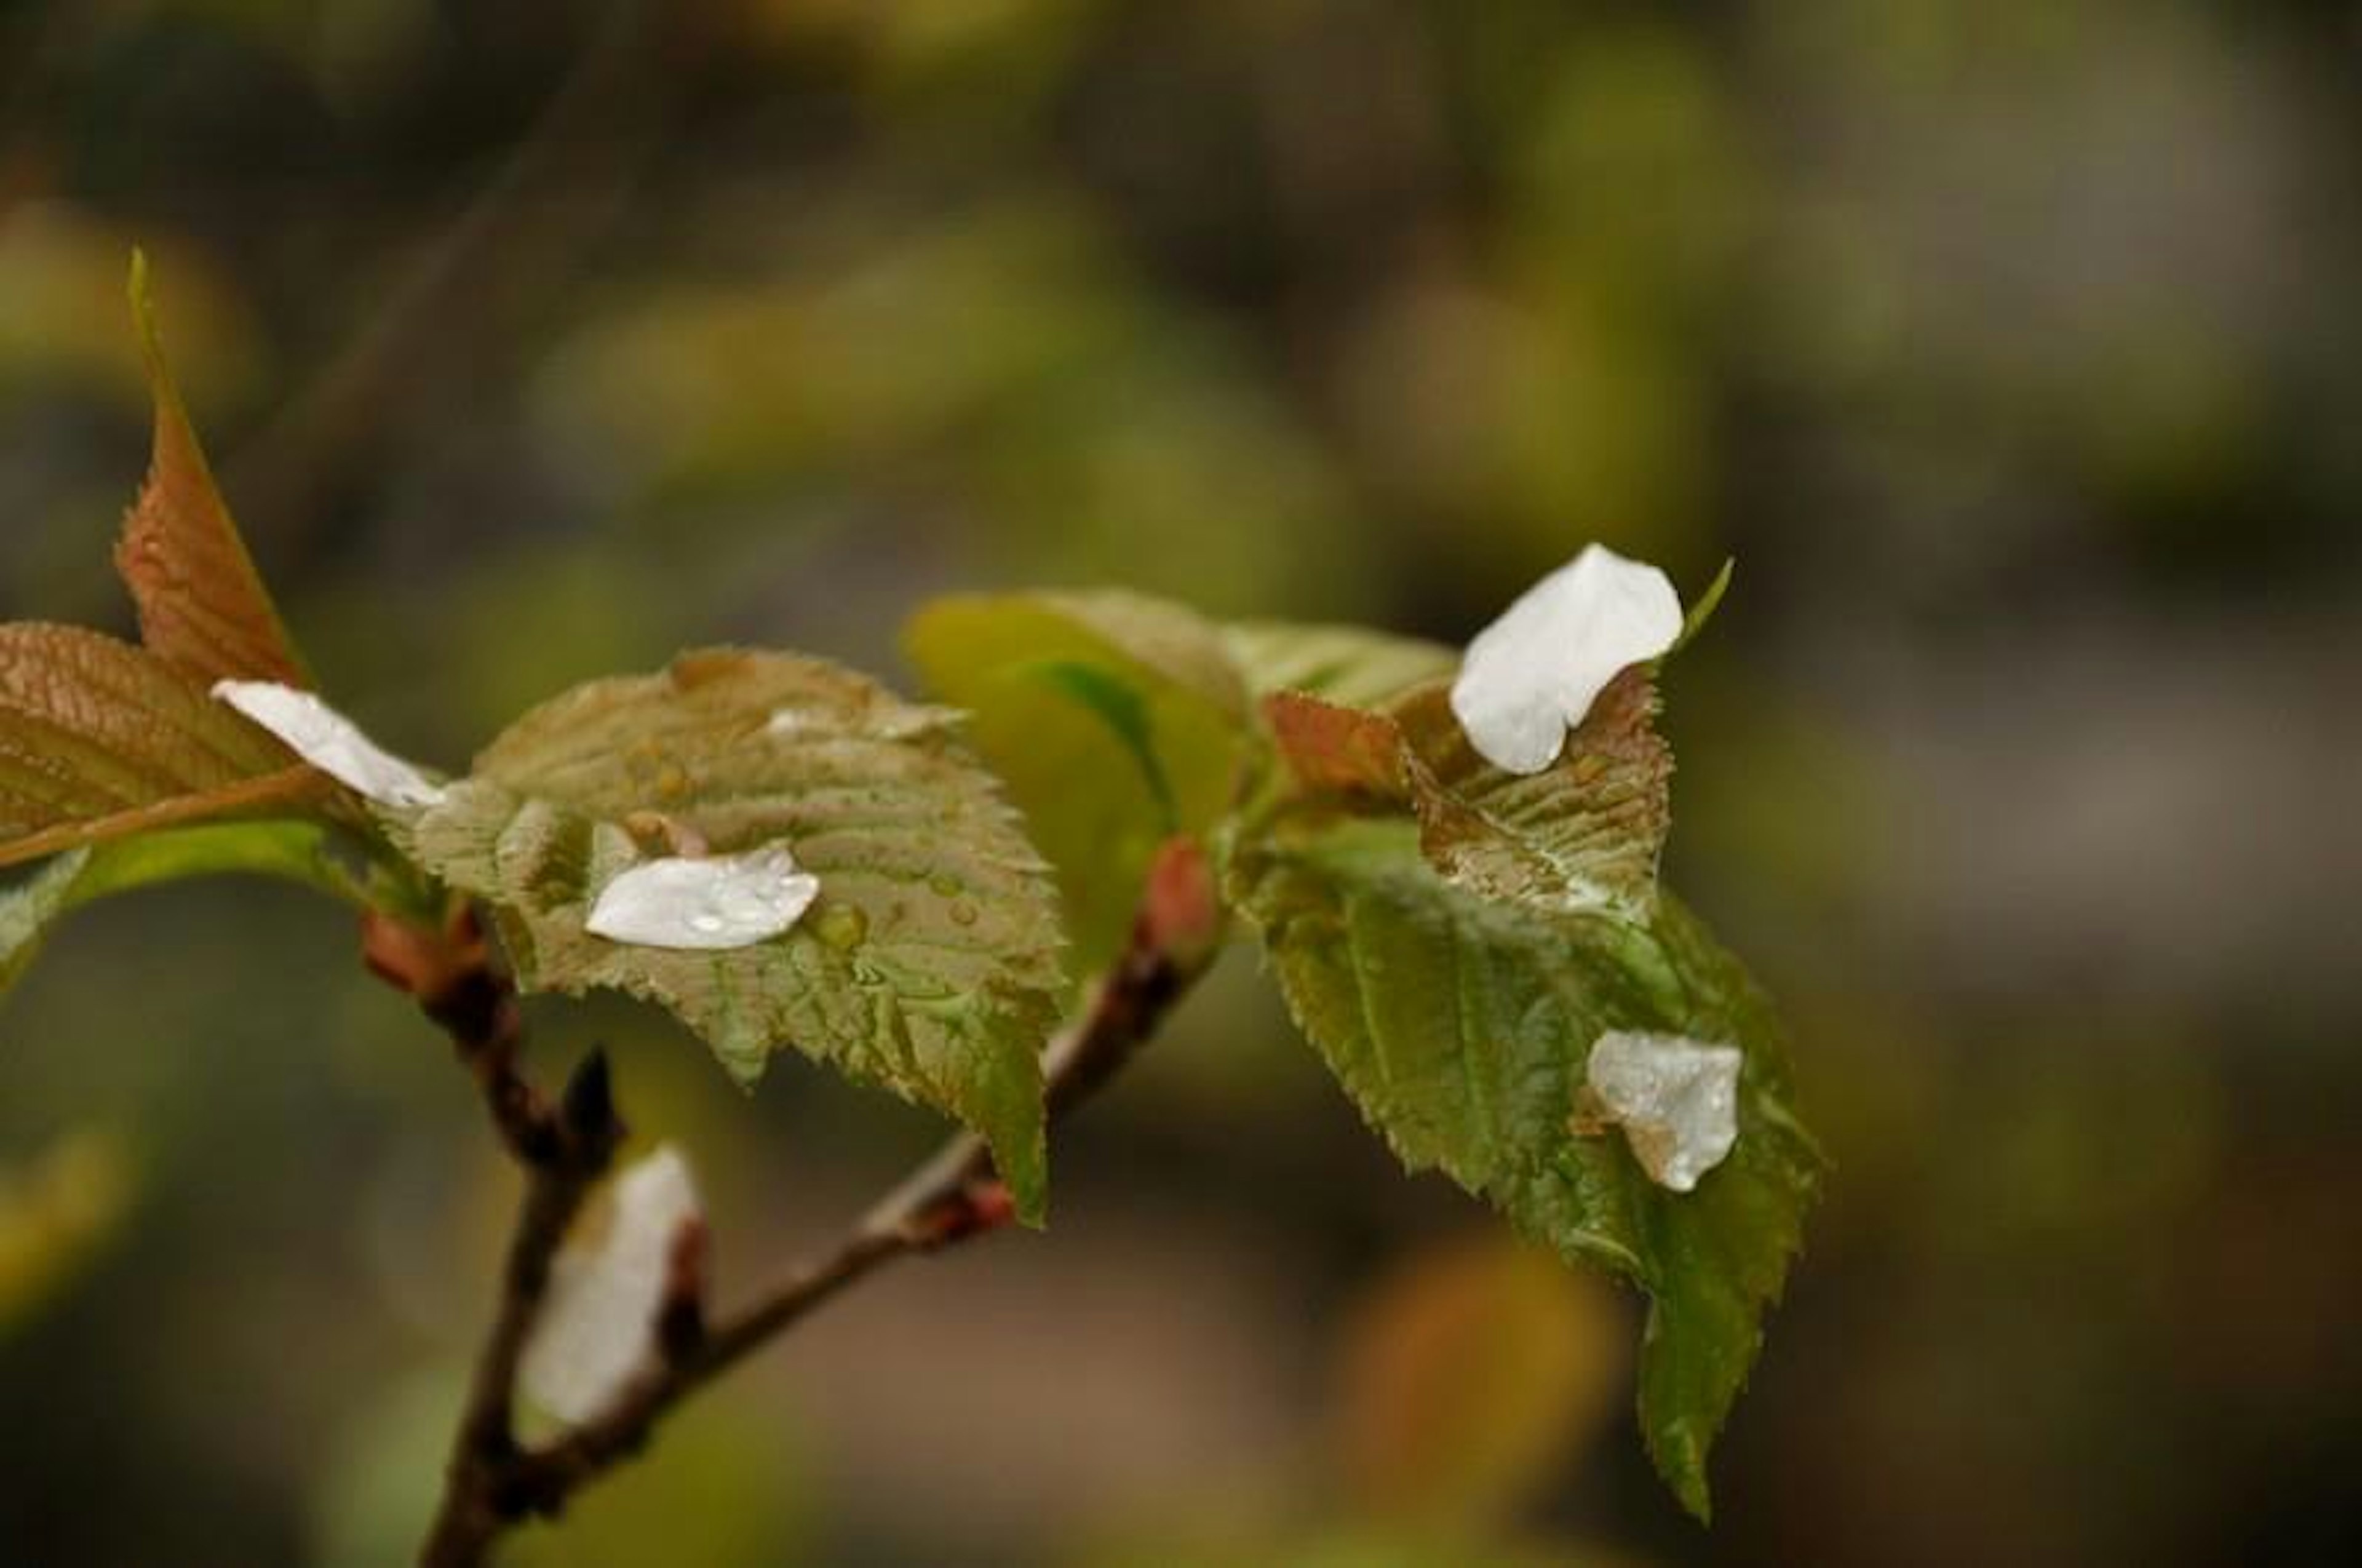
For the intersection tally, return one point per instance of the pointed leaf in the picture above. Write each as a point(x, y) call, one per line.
point(99, 739)
point(1461, 1026)
point(203, 608)
point(1702, 609)
point(928, 966)
point(1118, 722)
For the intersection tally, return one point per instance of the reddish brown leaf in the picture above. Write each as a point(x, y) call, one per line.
point(1332, 747)
point(99, 739)
point(202, 607)
point(1584, 833)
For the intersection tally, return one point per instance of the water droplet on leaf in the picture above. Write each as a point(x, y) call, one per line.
point(842, 926)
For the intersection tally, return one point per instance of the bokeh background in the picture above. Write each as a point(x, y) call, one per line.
point(2013, 347)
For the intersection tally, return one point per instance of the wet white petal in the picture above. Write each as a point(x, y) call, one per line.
point(605, 1289)
point(330, 742)
point(710, 902)
point(1533, 674)
point(1676, 1099)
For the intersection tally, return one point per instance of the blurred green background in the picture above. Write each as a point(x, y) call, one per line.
point(2014, 347)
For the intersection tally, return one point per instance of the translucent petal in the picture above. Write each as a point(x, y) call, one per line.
point(705, 902)
point(330, 742)
point(1532, 675)
point(1676, 1099)
point(605, 1289)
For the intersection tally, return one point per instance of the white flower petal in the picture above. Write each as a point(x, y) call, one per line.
point(330, 742)
point(605, 1289)
point(705, 902)
point(1676, 1099)
point(1532, 675)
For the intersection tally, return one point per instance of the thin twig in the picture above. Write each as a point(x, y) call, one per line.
point(493, 1482)
point(564, 1148)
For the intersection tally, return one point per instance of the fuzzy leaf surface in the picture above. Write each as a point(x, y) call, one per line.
point(929, 965)
point(100, 740)
point(1585, 833)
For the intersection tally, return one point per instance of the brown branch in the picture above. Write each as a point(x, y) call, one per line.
point(564, 1148)
point(493, 1482)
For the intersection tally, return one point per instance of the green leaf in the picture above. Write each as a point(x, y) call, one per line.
point(203, 608)
point(930, 964)
point(311, 852)
point(1343, 664)
point(101, 740)
point(1124, 710)
point(1116, 722)
point(1462, 1026)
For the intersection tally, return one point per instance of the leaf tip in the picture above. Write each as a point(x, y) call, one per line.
point(138, 290)
point(1703, 610)
point(1681, 1461)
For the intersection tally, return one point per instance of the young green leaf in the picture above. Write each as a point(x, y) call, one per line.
point(1345, 665)
point(1117, 721)
point(203, 608)
point(1461, 1025)
point(311, 852)
point(100, 740)
point(929, 964)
